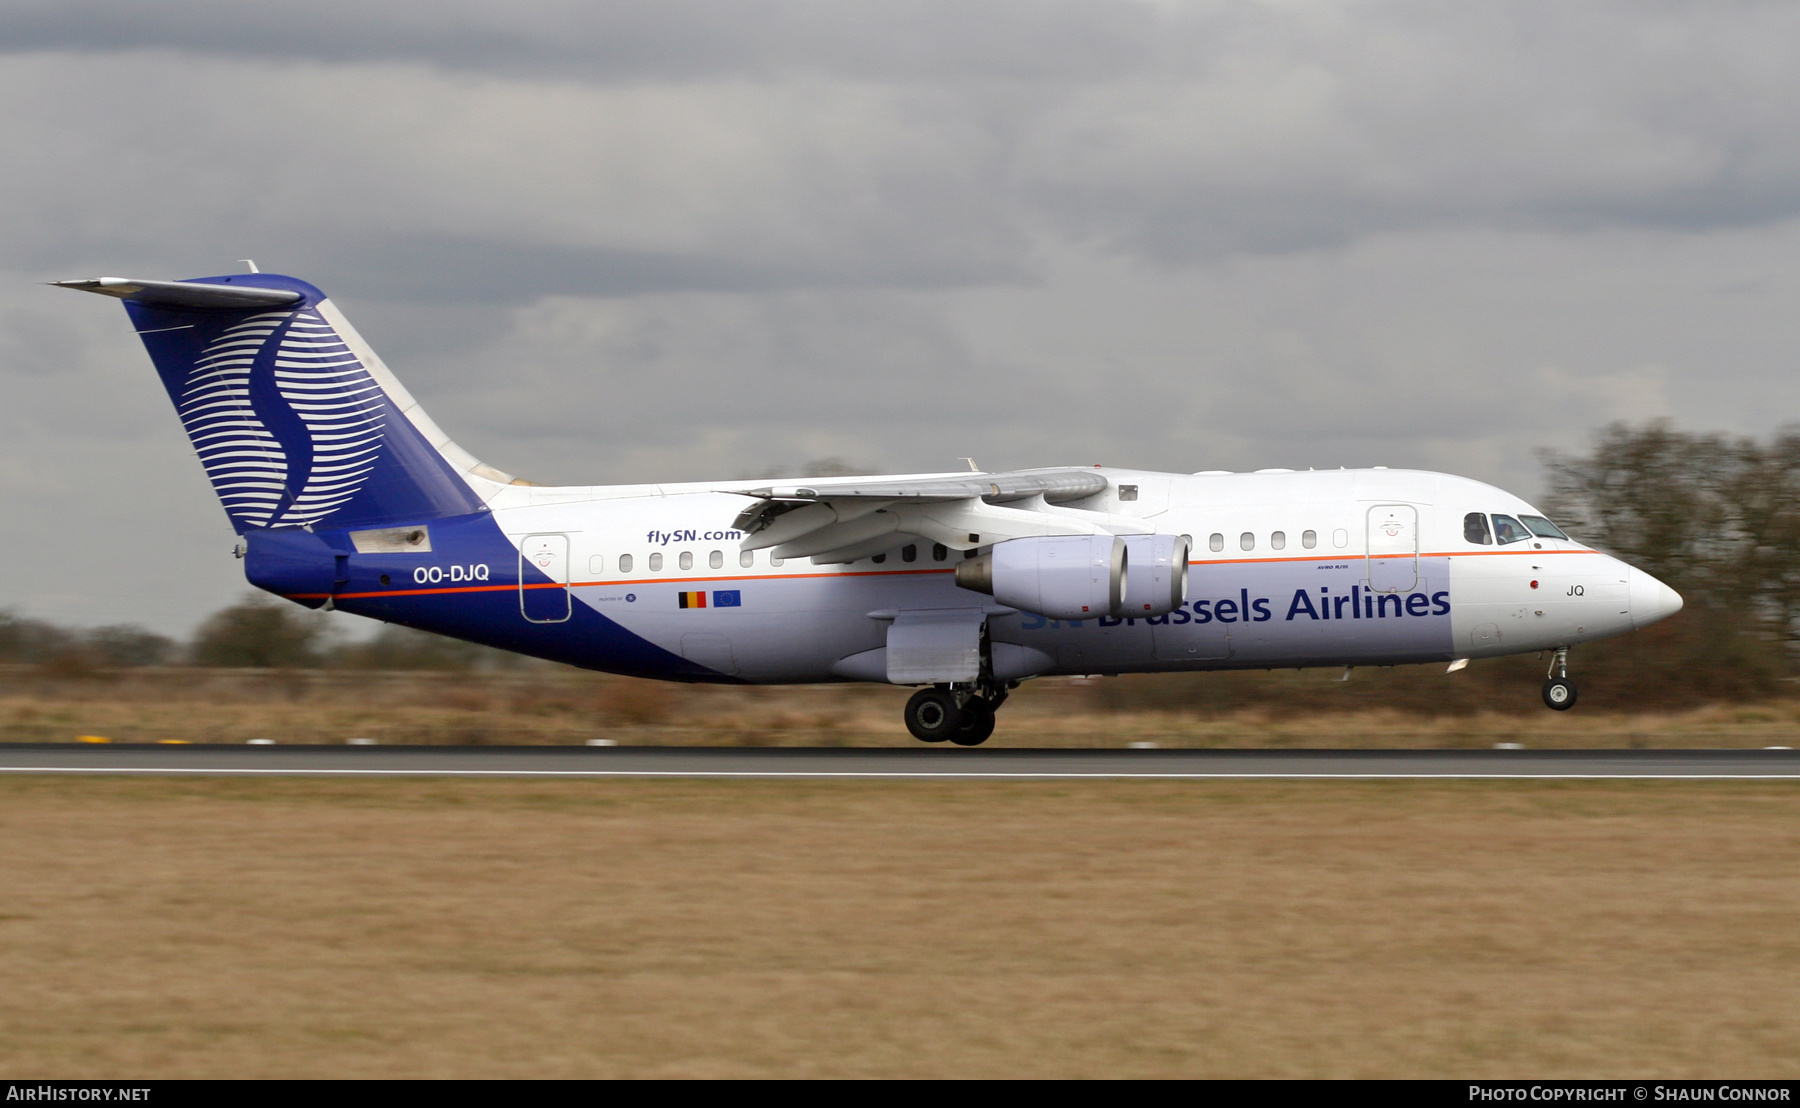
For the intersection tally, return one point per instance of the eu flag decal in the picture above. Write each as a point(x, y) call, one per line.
point(692, 599)
point(727, 598)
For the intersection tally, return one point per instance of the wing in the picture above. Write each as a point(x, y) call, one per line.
point(844, 519)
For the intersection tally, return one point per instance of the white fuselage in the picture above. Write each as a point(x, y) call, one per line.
point(1343, 567)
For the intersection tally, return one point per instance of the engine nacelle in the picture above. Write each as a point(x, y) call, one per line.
point(1060, 576)
point(1156, 568)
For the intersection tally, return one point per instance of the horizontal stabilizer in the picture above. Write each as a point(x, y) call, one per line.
point(183, 294)
point(296, 421)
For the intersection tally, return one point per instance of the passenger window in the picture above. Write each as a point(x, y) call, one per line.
point(1127, 492)
point(1542, 527)
point(939, 552)
point(597, 563)
point(1475, 529)
point(1216, 542)
point(1247, 541)
point(716, 559)
point(879, 558)
point(1340, 538)
point(1309, 539)
point(656, 562)
point(909, 552)
point(774, 561)
point(747, 558)
point(1278, 540)
point(687, 559)
point(1507, 529)
point(624, 563)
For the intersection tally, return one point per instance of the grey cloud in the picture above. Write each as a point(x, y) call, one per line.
point(1233, 129)
point(641, 382)
point(1376, 357)
point(1175, 131)
point(1309, 132)
point(451, 268)
point(416, 185)
point(625, 39)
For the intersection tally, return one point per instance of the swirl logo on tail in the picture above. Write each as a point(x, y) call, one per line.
point(285, 418)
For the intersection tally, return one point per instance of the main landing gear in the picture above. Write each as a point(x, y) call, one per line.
point(963, 715)
point(1559, 691)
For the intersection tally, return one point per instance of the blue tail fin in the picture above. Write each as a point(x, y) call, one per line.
point(296, 421)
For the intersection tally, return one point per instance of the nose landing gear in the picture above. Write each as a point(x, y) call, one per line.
point(964, 716)
point(1559, 691)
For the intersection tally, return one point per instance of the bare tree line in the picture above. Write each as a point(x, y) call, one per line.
point(259, 632)
point(1716, 517)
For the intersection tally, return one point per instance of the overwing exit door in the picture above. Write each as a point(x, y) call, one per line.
point(548, 556)
point(1393, 548)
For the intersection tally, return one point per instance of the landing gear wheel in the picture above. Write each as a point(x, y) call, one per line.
point(1559, 693)
point(977, 723)
point(932, 715)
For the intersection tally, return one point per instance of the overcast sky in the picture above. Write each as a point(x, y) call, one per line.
point(682, 239)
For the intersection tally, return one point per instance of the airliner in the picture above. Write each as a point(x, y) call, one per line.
point(347, 496)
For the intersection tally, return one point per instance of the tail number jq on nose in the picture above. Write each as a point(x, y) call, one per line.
point(1577, 590)
point(437, 575)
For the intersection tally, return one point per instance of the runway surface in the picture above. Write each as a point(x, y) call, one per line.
point(924, 762)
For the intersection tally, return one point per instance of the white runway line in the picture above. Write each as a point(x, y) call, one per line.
point(878, 774)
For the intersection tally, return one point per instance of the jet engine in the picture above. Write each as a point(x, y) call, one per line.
point(1060, 576)
point(1155, 575)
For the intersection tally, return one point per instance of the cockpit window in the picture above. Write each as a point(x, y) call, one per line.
point(1507, 529)
point(1475, 529)
point(1542, 527)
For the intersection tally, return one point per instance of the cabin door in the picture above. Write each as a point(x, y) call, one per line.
point(1393, 548)
point(542, 556)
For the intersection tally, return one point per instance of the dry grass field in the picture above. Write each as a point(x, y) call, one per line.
point(559, 705)
point(163, 928)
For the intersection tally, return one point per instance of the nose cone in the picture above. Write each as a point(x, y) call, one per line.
point(1651, 600)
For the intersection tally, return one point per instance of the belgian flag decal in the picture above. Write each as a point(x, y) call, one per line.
point(723, 598)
